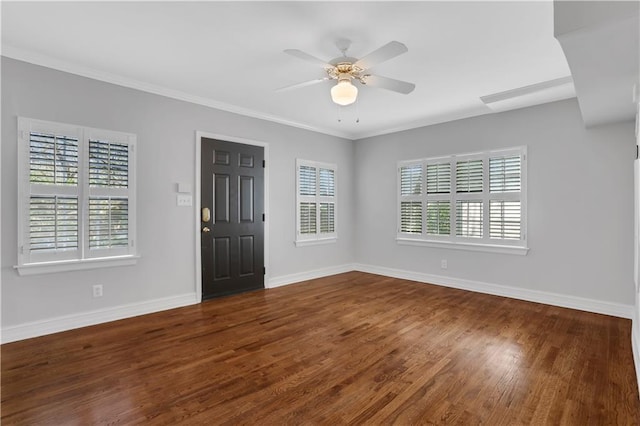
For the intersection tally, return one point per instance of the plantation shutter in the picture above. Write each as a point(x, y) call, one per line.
point(327, 218)
point(76, 187)
point(307, 218)
point(316, 201)
point(469, 176)
point(505, 209)
point(53, 159)
point(108, 208)
point(411, 180)
point(307, 180)
point(410, 214)
point(52, 225)
point(438, 178)
point(469, 219)
point(505, 220)
point(411, 217)
point(438, 217)
point(326, 183)
point(504, 174)
point(474, 201)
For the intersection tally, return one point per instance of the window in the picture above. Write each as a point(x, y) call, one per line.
point(77, 203)
point(315, 202)
point(470, 201)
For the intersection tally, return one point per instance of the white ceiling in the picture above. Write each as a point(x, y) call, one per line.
point(229, 54)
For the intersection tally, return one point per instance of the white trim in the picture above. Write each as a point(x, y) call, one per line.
point(490, 248)
point(98, 316)
point(196, 204)
point(309, 275)
point(75, 265)
point(548, 298)
point(319, 241)
point(69, 67)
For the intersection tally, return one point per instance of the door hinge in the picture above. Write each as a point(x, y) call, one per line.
point(264, 271)
point(264, 163)
point(263, 217)
point(637, 152)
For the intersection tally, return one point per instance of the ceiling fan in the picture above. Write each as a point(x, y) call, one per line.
point(346, 69)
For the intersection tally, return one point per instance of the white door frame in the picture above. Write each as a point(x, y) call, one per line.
point(227, 138)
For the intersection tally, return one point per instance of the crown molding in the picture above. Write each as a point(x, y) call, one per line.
point(73, 68)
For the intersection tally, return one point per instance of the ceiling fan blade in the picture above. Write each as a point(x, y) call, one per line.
point(306, 57)
point(394, 85)
point(386, 52)
point(303, 84)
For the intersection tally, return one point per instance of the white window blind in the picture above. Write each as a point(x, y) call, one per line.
point(486, 209)
point(316, 202)
point(78, 194)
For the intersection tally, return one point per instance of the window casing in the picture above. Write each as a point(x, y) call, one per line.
point(469, 201)
point(76, 190)
point(316, 202)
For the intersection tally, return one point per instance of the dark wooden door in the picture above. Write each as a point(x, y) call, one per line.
point(232, 248)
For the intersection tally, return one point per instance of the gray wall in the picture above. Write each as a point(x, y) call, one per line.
point(580, 206)
point(166, 155)
point(580, 203)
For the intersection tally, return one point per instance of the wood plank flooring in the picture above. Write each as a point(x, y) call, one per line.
point(354, 348)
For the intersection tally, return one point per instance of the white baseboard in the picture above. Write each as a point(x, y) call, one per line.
point(69, 322)
point(308, 275)
point(84, 319)
point(573, 302)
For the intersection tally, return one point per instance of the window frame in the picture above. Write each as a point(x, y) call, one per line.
point(317, 237)
point(452, 240)
point(82, 257)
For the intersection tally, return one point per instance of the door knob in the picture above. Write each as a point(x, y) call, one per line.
point(206, 229)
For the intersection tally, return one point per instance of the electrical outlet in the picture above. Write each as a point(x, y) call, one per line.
point(443, 264)
point(97, 290)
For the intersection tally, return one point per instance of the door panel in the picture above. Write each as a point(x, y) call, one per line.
point(246, 198)
point(232, 251)
point(222, 198)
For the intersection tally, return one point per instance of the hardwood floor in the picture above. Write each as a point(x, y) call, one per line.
point(352, 348)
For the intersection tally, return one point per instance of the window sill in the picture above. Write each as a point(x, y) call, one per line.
point(75, 265)
point(489, 248)
point(303, 243)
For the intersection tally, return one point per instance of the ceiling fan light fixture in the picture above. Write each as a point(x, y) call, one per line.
point(344, 93)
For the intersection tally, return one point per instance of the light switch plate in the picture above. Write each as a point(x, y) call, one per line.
point(184, 188)
point(184, 200)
